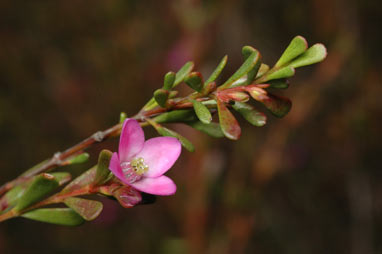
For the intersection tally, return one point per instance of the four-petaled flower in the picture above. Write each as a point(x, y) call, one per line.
point(141, 164)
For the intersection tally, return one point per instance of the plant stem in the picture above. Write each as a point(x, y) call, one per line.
point(59, 158)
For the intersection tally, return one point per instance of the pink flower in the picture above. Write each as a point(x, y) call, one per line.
point(141, 164)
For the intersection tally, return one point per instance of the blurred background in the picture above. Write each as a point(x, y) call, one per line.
point(307, 183)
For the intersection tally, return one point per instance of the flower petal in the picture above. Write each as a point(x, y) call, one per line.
point(131, 140)
point(115, 167)
point(162, 185)
point(160, 154)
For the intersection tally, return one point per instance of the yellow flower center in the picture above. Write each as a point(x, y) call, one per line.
point(139, 166)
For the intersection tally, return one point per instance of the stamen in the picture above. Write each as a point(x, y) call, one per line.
point(134, 169)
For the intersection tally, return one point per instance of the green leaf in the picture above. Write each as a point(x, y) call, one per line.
point(279, 106)
point(81, 181)
point(279, 83)
point(215, 74)
point(313, 55)
point(247, 66)
point(161, 96)
point(228, 122)
point(240, 82)
point(62, 177)
point(264, 68)
point(296, 47)
point(251, 75)
point(169, 80)
point(195, 81)
point(250, 114)
point(10, 199)
point(12, 196)
point(88, 209)
point(40, 187)
point(170, 133)
point(183, 72)
point(209, 103)
point(202, 112)
point(60, 216)
point(102, 171)
point(81, 158)
point(152, 102)
point(284, 72)
point(182, 115)
point(211, 129)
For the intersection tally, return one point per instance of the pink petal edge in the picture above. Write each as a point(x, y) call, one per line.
point(131, 140)
point(162, 186)
point(160, 154)
point(115, 167)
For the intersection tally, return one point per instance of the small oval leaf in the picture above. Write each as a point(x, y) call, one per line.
point(215, 74)
point(195, 81)
point(183, 72)
point(250, 114)
point(279, 106)
point(247, 66)
point(278, 83)
point(62, 177)
point(251, 75)
point(40, 187)
point(182, 115)
point(313, 55)
point(170, 133)
point(284, 72)
point(264, 68)
point(60, 216)
point(211, 129)
point(228, 122)
point(161, 96)
point(102, 171)
point(12, 196)
point(169, 80)
point(87, 209)
point(81, 158)
point(297, 46)
point(84, 179)
point(202, 112)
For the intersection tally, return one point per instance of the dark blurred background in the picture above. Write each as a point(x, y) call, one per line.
point(307, 183)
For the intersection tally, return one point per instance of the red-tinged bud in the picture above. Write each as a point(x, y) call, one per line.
point(239, 96)
point(262, 85)
point(257, 93)
point(127, 196)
